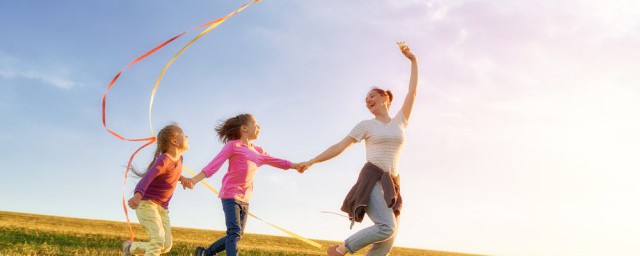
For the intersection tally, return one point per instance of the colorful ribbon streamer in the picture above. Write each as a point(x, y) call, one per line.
point(150, 140)
point(294, 235)
point(213, 24)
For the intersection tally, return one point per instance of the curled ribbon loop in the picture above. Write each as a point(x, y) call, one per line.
point(152, 139)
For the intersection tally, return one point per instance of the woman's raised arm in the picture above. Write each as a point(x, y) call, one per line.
point(413, 82)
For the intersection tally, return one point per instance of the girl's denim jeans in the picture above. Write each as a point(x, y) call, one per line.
point(235, 214)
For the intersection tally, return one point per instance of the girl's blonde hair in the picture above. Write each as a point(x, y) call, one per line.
point(163, 142)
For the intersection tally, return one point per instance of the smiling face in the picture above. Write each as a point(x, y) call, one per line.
point(252, 129)
point(377, 102)
point(182, 142)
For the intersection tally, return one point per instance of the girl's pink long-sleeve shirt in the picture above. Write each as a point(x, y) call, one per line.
point(243, 164)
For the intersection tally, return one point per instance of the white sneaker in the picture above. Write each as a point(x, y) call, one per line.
point(126, 248)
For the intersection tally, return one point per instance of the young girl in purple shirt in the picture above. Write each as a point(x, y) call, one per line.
point(154, 191)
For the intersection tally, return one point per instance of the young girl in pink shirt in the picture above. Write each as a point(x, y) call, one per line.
point(238, 134)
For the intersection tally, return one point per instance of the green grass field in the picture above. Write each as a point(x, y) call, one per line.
point(31, 234)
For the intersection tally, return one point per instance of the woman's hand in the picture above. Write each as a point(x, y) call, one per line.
point(406, 51)
point(302, 167)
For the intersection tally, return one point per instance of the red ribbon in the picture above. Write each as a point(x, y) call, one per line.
point(152, 139)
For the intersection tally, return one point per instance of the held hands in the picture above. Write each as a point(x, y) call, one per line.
point(187, 183)
point(298, 167)
point(302, 167)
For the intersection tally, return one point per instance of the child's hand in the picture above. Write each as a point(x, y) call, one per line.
point(187, 183)
point(302, 167)
point(295, 166)
point(135, 201)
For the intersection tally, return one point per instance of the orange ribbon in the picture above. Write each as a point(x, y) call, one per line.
point(150, 140)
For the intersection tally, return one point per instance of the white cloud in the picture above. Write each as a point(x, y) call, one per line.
point(12, 68)
point(50, 79)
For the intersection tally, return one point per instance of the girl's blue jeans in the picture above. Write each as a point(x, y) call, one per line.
point(235, 214)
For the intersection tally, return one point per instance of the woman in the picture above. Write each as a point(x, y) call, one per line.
point(377, 191)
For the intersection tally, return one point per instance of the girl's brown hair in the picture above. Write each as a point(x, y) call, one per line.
point(230, 129)
point(163, 141)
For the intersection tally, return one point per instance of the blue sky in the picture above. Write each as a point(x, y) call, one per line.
point(523, 139)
